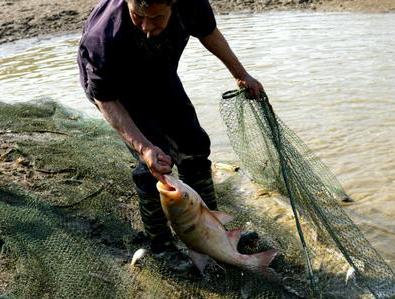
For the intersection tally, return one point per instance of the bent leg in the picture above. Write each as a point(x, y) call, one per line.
point(189, 145)
point(196, 172)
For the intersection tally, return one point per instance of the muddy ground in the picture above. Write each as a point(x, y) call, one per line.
point(28, 18)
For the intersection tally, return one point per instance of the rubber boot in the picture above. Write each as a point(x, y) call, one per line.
point(202, 183)
point(154, 220)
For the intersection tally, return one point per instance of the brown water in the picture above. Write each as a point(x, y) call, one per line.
point(330, 77)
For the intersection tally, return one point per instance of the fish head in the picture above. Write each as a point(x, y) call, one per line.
point(175, 196)
point(172, 190)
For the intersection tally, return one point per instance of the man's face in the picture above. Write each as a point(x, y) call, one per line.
point(152, 20)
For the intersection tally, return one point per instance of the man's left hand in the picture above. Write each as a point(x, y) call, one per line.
point(254, 86)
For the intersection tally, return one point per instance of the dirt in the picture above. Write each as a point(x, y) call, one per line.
point(28, 18)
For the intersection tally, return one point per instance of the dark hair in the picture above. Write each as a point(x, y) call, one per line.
point(146, 3)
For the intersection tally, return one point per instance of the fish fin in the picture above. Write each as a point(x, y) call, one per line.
point(265, 258)
point(200, 260)
point(234, 237)
point(263, 261)
point(222, 217)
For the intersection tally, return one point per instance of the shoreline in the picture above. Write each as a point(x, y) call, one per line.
point(20, 19)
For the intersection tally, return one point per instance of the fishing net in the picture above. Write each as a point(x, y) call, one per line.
point(278, 160)
point(69, 220)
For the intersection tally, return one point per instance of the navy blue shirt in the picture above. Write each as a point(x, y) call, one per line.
point(116, 59)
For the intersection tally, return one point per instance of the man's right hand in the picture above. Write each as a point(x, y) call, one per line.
point(157, 161)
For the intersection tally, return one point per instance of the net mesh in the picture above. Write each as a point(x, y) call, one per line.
point(278, 160)
point(69, 220)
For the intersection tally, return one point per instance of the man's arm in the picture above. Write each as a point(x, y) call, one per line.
point(216, 43)
point(116, 115)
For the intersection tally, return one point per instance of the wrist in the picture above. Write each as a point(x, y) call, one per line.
point(141, 148)
point(241, 76)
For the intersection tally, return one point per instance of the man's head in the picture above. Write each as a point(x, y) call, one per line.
point(151, 16)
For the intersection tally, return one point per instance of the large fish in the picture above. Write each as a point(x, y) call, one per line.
point(202, 230)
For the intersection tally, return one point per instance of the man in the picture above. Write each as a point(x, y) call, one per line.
point(128, 59)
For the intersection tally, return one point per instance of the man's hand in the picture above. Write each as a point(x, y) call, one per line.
point(157, 161)
point(254, 86)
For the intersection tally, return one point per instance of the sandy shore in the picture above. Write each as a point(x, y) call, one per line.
point(27, 18)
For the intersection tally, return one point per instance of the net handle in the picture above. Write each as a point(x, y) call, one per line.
point(236, 92)
point(232, 93)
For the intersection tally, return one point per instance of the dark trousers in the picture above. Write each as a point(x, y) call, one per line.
point(171, 124)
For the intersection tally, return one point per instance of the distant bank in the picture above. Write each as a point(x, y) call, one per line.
point(28, 18)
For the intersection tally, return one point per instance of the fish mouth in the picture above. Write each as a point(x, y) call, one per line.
point(166, 187)
point(169, 190)
point(169, 186)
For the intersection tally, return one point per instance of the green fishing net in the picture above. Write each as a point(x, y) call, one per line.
point(69, 220)
point(69, 217)
point(277, 159)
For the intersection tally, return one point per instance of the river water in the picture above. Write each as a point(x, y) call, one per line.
point(330, 77)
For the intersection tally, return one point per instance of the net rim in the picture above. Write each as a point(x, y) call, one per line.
point(231, 93)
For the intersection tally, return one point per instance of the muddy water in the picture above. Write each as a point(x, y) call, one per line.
point(330, 77)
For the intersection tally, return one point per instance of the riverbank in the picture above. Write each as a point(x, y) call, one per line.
point(28, 18)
